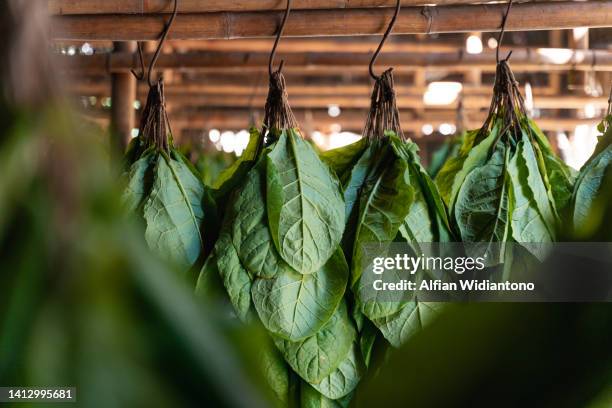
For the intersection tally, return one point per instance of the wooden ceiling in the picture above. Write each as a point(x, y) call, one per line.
point(216, 60)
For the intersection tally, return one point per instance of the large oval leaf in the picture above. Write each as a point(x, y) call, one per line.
point(295, 306)
point(588, 189)
point(235, 278)
point(311, 398)
point(481, 208)
point(345, 378)
point(139, 182)
point(250, 234)
point(305, 206)
point(173, 212)
point(315, 357)
point(383, 205)
point(532, 216)
point(399, 327)
point(477, 156)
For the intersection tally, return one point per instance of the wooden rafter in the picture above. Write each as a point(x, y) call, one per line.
point(358, 21)
point(351, 119)
point(67, 7)
point(529, 60)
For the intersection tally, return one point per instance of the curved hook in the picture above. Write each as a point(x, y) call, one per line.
point(501, 33)
point(382, 42)
point(161, 42)
point(278, 36)
point(140, 76)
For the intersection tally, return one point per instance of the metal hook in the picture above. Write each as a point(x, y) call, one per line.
point(161, 42)
point(382, 42)
point(140, 76)
point(278, 36)
point(501, 33)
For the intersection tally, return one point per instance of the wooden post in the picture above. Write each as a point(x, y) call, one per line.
point(123, 95)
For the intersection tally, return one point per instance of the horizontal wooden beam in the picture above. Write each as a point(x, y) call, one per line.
point(101, 89)
point(526, 60)
point(68, 7)
point(359, 21)
point(403, 101)
point(350, 120)
point(301, 45)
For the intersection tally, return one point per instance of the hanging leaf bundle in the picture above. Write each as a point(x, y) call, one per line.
point(279, 259)
point(506, 184)
point(389, 197)
point(165, 190)
point(592, 195)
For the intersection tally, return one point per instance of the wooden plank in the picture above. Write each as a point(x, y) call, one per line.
point(350, 120)
point(101, 89)
point(353, 102)
point(71, 7)
point(412, 20)
point(522, 60)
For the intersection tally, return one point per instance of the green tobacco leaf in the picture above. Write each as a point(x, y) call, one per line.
point(356, 178)
point(399, 327)
point(315, 357)
point(249, 228)
point(367, 339)
point(418, 225)
point(342, 159)
point(305, 207)
point(342, 381)
point(445, 177)
point(382, 209)
point(532, 217)
point(231, 177)
point(235, 277)
point(561, 179)
point(173, 212)
point(295, 306)
point(139, 183)
point(476, 157)
point(276, 373)
point(481, 208)
point(588, 188)
point(311, 398)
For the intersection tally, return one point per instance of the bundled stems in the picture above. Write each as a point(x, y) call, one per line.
point(278, 114)
point(507, 103)
point(383, 115)
point(154, 121)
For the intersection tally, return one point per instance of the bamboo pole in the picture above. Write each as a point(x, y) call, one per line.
point(360, 21)
point(403, 101)
point(247, 89)
point(71, 7)
point(350, 120)
point(529, 60)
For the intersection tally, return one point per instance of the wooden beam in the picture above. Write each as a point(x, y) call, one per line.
point(523, 59)
point(360, 21)
point(403, 101)
point(301, 45)
point(101, 89)
point(350, 120)
point(68, 7)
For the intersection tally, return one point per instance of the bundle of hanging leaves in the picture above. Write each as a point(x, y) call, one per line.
point(592, 195)
point(389, 197)
point(165, 190)
point(280, 263)
point(506, 184)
